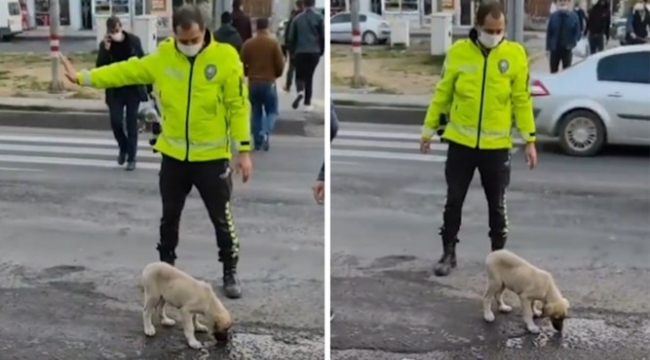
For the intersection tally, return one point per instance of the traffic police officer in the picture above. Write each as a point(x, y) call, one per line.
point(484, 83)
point(204, 104)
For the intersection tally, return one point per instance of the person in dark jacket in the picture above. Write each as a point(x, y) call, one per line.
point(241, 21)
point(582, 16)
point(285, 48)
point(227, 33)
point(119, 45)
point(598, 23)
point(562, 35)
point(306, 46)
point(319, 188)
point(638, 23)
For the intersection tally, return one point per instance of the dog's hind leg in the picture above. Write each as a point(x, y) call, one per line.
point(198, 327)
point(492, 288)
point(188, 329)
point(148, 310)
point(165, 320)
point(503, 307)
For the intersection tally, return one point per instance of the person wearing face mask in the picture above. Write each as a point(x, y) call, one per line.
point(598, 23)
point(119, 45)
point(204, 102)
point(562, 35)
point(638, 24)
point(484, 84)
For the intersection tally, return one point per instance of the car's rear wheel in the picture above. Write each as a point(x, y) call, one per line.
point(369, 38)
point(582, 133)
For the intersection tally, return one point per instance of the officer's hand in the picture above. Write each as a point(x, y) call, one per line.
point(244, 166)
point(69, 70)
point(425, 145)
point(531, 155)
point(319, 192)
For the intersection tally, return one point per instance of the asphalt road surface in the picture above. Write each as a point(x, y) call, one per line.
point(585, 220)
point(77, 230)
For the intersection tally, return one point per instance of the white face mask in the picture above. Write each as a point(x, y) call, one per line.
point(189, 50)
point(118, 36)
point(489, 40)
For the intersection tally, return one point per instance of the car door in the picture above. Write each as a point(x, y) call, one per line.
point(340, 27)
point(626, 80)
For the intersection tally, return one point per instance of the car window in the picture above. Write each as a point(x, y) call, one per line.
point(362, 18)
point(340, 18)
point(632, 67)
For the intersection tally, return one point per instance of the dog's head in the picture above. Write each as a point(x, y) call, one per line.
point(556, 311)
point(222, 333)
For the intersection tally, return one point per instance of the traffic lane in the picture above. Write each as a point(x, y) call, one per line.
point(385, 217)
point(100, 230)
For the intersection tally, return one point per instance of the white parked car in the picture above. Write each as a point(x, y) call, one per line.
point(374, 29)
point(598, 101)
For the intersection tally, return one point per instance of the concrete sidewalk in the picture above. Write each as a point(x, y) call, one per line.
point(68, 34)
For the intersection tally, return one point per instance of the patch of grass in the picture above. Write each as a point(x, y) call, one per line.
point(5, 75)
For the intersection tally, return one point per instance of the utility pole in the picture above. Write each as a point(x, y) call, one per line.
point(438, 6)
point(56, 86)
point(357, 80)
point(132, 15)
point(216, 17)
point(516, 12)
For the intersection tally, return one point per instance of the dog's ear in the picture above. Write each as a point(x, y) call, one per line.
point(566, 303)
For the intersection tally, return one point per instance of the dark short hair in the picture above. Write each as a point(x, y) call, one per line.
point(226, 18)
point(112, 22)
point(186, 16)
point(309, 3)
point(236, 4)
point(299, 3)
point(492, 8)
point(262, 23)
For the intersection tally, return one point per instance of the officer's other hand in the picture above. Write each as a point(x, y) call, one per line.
point(244, 166)
point(69, 70)
point(531, 155)
point(425, 145)
point(319, 192)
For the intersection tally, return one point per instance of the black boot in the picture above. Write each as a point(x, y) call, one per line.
point(168, 256)
point(448, 259)
point(498, 242)
point(231, 286)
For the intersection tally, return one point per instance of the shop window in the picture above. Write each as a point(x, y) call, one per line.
point(42, 12)
point(401, 5)
point(117, 7)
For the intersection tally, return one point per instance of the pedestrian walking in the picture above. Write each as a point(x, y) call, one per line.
point(582, 16)
point(562, 35)
point(285, 49)
point(306, 45)
point(119, 45)
point(227, 33)
point(638, 24)
point(479, 131)
point(263, 65)
point(319, 187)
point(241, 21)
point(205, 104)
point(598, 23)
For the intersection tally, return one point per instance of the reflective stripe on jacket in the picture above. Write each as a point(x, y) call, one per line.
point(204, 102)
point(481, 93)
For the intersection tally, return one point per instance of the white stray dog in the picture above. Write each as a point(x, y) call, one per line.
point(506, 270)
point(164, 284)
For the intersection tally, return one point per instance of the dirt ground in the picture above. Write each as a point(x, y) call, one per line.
point(411, 71)
point(29, 75)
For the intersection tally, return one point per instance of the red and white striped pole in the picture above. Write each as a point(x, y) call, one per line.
point(357, 79)
point(56, 85)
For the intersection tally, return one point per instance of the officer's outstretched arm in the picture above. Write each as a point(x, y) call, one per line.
point(442, 95)
point(237, 106)
point(521, 100)
point(134, 71)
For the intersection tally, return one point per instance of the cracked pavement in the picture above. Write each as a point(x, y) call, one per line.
point(74, 240)
point(584, 219)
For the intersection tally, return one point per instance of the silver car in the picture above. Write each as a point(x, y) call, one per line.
point(604, 99)
point(374, 29)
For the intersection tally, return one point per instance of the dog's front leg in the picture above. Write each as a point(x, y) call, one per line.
point(527, 310)
point(166, 320)
point(188, 329)
point(198, 327)
point(537, 311)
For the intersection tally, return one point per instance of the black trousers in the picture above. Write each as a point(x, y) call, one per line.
point(563, 56)
point(291, 71)
point(305, 67)
point(494, 168)
point(214, 183)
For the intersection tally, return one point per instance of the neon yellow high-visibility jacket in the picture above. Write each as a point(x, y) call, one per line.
point(481, 93)
point(204, 103)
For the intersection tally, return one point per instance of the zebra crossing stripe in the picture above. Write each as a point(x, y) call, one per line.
point(70, 161)
point(69, 150)
point(388, 155)
point(386, 144)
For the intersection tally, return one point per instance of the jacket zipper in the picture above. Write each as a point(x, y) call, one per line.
point(187, 113)
point(480, 111)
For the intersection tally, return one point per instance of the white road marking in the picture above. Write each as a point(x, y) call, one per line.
point(19, 169)
point(68, 150)
point(65, 140)
point(415, 146)
point(387, 155)
point(70, 161)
